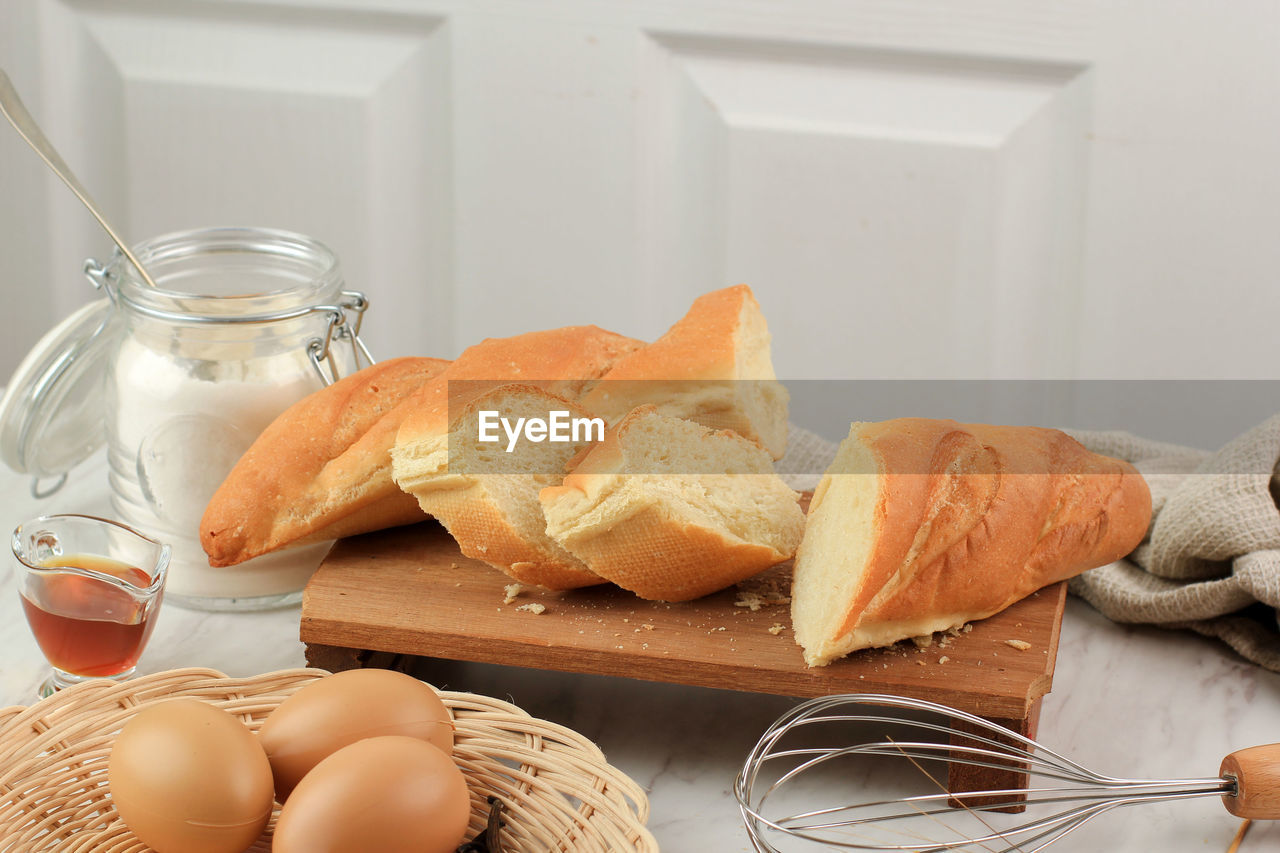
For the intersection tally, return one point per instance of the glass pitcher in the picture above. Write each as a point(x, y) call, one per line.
point(91, 589)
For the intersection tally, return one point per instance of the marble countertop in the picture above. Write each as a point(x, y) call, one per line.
point(1127, 701)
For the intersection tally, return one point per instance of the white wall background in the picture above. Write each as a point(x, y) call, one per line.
point(1007, 188)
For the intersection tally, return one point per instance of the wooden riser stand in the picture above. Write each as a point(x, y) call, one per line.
point(384, 598)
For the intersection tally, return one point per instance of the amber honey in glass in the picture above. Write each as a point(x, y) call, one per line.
point(91, 589)
point(85, 625)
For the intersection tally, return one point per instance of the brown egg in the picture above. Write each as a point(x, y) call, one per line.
point(187, 777)
point(389, 794)
point(337, 711)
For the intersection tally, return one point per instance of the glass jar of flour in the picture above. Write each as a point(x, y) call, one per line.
point(243, 322)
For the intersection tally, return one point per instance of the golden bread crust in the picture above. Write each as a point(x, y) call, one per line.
point(701, 345)
point(706, 367)
point(485, 533)
point(660, 558)
point(970, 518)
point(562, 361)
point(320, 470)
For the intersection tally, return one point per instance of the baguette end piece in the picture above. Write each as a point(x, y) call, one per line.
point(921, 525)
point(713, 367)
point(320, 470)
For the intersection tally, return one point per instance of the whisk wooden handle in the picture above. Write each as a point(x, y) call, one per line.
point(1257, 774)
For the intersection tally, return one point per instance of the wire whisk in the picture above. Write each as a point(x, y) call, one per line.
point(910, 749)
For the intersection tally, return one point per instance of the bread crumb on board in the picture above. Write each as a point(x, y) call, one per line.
point(536, 609)
point(1020, 645)
point(512, 591)
point(776, 629)
point(943, 639)
point(943, 659)
point(762, 592)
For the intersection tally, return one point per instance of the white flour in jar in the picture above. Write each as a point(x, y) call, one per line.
point(177, 425)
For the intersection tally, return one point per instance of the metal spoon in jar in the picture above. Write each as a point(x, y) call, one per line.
point(18, 115)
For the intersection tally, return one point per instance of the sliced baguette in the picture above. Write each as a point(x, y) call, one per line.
point(321, 470)
point(713, 367)
point(922, 525)
point(672, 510)
point(488, 517)
point(565, 362)
point(488, 497)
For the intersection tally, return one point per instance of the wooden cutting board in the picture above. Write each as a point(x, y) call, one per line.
point(410, 591)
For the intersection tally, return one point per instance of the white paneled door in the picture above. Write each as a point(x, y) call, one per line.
point(1001, 188)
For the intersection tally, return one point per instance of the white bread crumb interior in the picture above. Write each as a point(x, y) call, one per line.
point(673, 510)
point(488, 497)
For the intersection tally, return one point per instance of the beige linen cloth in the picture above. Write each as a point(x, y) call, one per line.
point(1213, 548)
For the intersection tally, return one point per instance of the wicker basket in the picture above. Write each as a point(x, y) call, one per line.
point(559, 793)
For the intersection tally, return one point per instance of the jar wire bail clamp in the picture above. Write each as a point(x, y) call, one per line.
point(318, 349)
point(345, 320)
